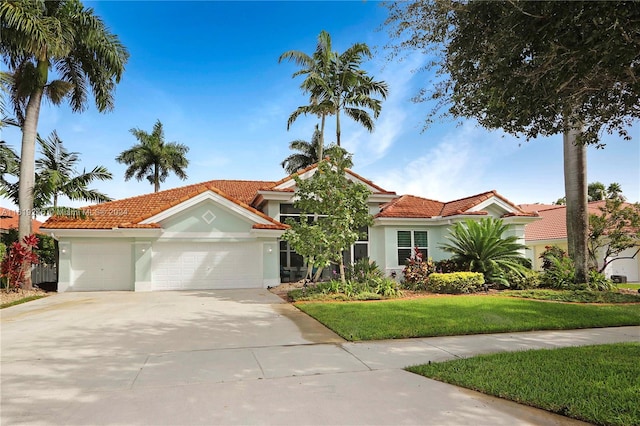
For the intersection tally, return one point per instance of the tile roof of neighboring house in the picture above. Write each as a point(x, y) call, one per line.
point(553, 224)
point(129, 212)
point(9, 220)
point(418, 207)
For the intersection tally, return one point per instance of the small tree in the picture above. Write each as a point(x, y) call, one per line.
point(615, 230)
point(332, 210)
point(13, 268)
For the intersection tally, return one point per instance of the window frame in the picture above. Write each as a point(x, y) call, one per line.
point(412, 234)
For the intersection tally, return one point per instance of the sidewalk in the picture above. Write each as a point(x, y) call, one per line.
point(405, 352)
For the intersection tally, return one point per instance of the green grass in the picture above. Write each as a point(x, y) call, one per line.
point(459, 315)
point(632, 286)
point(598, 384)
point(580, 296)
point(20, 301)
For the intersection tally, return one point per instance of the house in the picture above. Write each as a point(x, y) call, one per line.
point(226, 234)
point(9, 220)
point(551, 230)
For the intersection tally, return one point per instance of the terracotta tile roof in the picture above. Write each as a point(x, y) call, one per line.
point(553, 224)
point(416, 207)
point(537, 207)
point(129, 212)
point(9, 220)
point(411, 206)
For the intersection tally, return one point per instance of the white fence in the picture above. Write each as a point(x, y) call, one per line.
point(43, 274)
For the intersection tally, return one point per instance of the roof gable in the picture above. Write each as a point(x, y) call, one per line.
point(409, 206)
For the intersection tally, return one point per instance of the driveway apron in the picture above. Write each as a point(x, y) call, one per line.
point(233, 357)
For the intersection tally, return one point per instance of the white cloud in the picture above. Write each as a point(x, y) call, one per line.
point(454, 168)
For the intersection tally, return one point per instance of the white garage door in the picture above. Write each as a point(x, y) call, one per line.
point(101, 266)
point(205, 266)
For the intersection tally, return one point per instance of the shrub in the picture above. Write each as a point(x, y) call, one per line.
point(525, 281)
point(416, 272)
point(12, 269)
point(598, 281)
point(449, 265)
point(363, 270)
point(455, 282)
point(559, 271)
point(387, 287)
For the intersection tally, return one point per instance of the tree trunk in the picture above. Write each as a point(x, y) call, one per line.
point(321, 150)
point(156, 179)
point(575, 186)
point(27, 173)
point(338, 124)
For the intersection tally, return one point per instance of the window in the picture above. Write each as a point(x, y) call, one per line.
point(359, 250)
point(407, 241)
point(288, 257)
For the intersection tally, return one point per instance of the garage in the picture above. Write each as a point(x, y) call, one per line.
point(206, 266)
point(101, 266)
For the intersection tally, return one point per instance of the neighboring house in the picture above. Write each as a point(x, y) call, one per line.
point(552, 230)
point(226, 234)
point(9, 220)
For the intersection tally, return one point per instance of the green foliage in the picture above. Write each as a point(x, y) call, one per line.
point(336, 84)
point(559, 271)
point(481, 246)
point(416, 272)
point(455, 282)
point(363, 270)
point(153, 158)
point(525, 81)
point(597, 384)
point(20, 301)
point(529, 279)
point(332, 211)
point(366, 282)
point(576, 296)
point(599, 282)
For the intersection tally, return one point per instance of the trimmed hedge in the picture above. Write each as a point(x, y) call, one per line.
point(455, 282)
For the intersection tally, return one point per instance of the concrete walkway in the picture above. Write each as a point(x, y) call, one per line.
point(236, 357)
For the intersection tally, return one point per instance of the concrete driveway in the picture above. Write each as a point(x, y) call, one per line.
point(230, 357)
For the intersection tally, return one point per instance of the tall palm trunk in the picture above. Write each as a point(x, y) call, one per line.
point(321, 148)
point(338, 124)
point(27, 172)
point(575, 186)
point(156, 178)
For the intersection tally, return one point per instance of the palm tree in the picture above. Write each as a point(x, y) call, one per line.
point(57, 169)
point(308, 153)
point(152, 158)
point(40, 36)
point(481, 246)
point(56, 175)
point(318, 69)
point(336, 83)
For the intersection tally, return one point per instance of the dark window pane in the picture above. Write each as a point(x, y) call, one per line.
point(420, 238)
point(404, 239)
point(296, 259)
point(346, 257)
point(283, 259)
point(403, 255)
point(283, 245)
point(424, 253)
point(288, 209)
point(360, 251)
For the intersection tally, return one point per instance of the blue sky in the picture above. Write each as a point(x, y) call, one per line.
point(209, 72)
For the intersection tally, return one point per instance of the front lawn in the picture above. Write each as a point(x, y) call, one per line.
point(598, 384)
point(459, 315)
point(580, 296)
point(630, 286)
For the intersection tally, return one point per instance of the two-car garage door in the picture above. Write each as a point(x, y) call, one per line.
point(201, 266)
point(174, 266)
